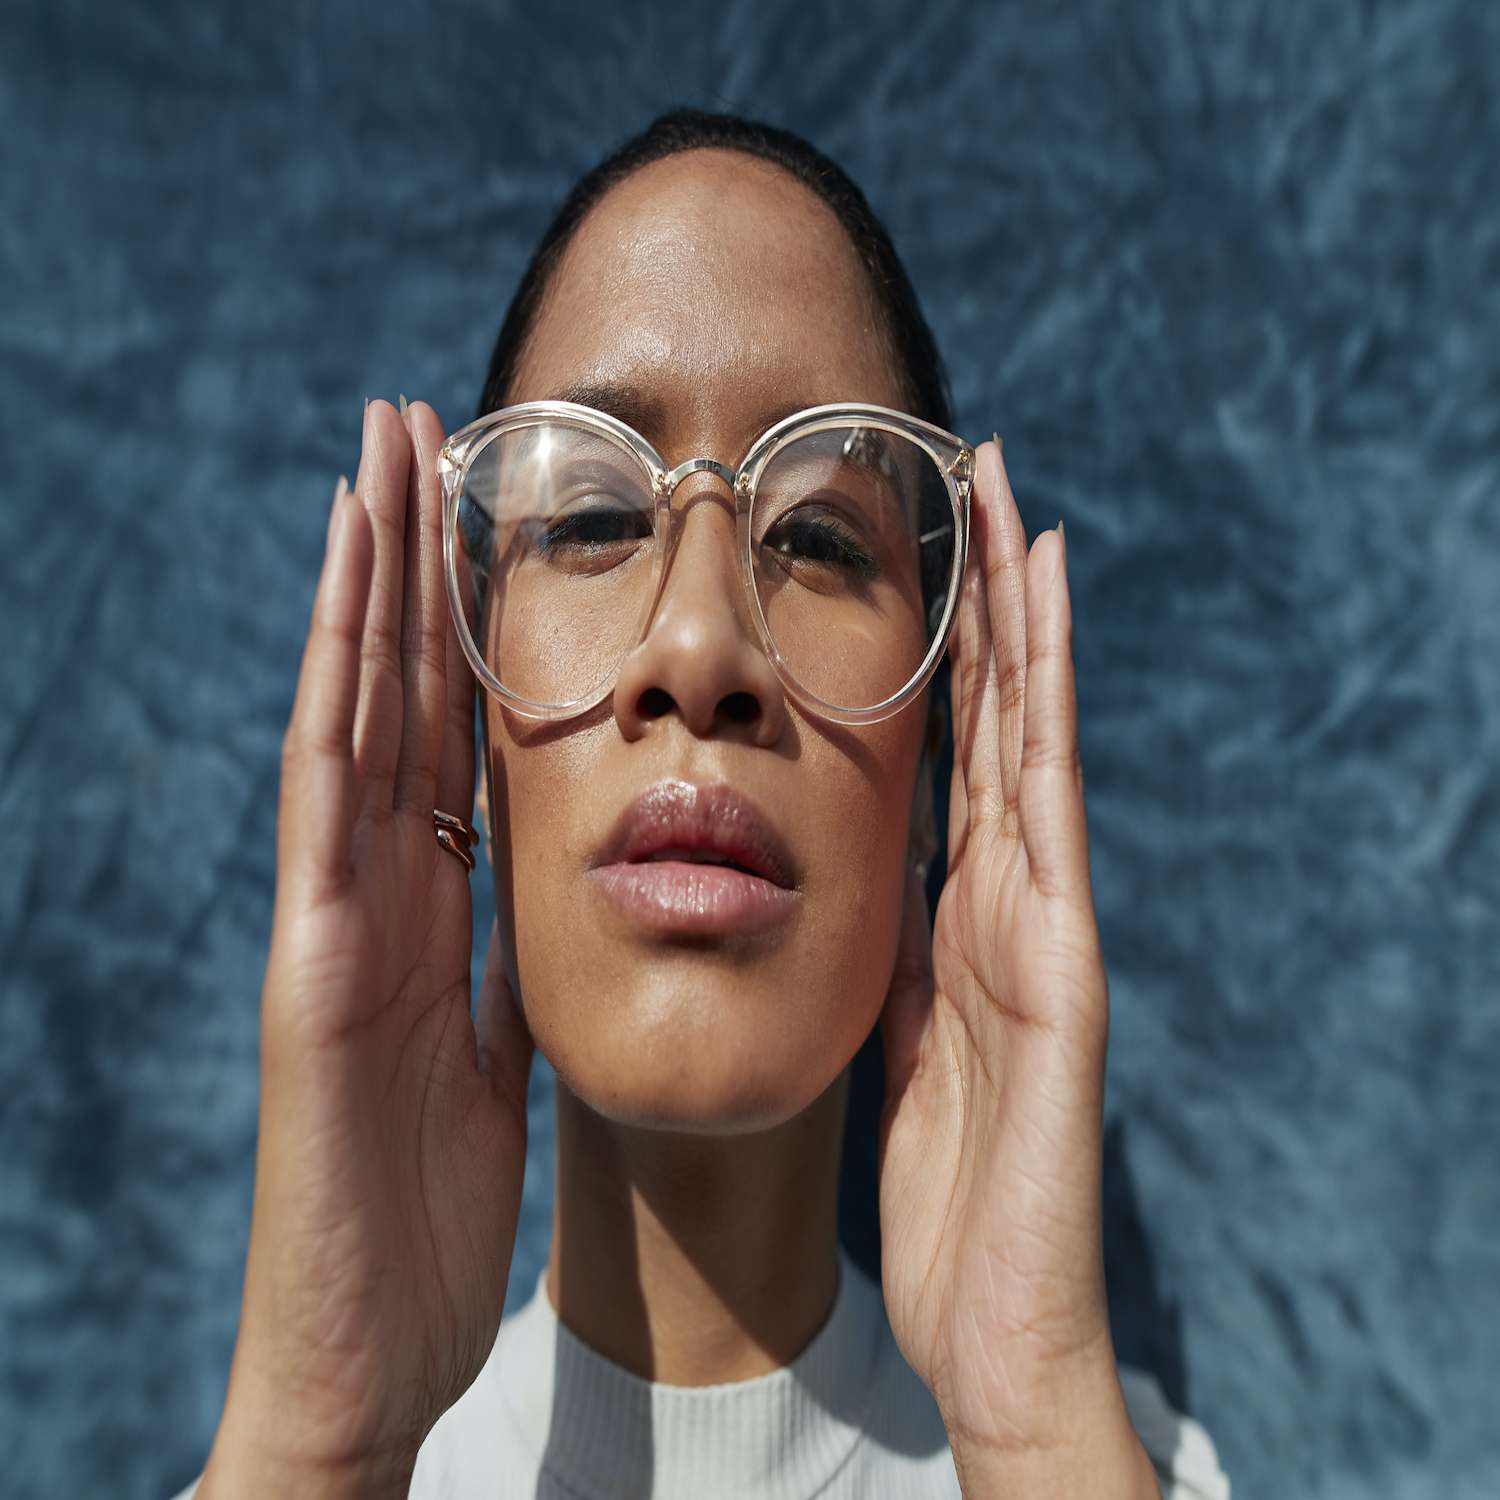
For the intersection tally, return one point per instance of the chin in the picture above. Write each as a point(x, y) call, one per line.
point(700, 1112)
point(706, 1062)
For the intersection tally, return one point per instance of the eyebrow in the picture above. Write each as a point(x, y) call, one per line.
point(636, 407)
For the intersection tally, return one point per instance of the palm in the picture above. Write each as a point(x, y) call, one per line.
point(390, 1160)
point(991, 1135)
point(415, 1170)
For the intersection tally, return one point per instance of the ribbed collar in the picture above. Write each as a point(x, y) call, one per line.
point(602, 1431)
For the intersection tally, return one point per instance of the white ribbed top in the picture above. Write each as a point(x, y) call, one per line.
point(550, 1418)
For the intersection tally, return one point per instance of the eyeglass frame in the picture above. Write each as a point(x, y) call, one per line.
point(953, 456)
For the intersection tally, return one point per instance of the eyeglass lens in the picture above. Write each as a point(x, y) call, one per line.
point(852, 548)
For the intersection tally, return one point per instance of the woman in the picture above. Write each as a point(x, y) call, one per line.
point(698, 1329)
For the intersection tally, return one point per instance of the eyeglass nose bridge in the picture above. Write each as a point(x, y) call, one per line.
point(667, 481)
point(663, 484)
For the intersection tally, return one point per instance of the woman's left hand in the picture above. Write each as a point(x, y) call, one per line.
point(995, 1035)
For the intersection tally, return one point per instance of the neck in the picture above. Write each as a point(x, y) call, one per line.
point(693, 1259)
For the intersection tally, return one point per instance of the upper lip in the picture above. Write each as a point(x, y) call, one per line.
point(715, 820)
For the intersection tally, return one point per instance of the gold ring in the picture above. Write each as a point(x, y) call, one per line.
point(455, 835)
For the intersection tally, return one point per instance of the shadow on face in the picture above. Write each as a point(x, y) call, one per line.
point(701, 299)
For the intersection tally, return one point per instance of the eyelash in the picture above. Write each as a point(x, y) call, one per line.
point(565, 531)
point(836, 546)
point(847, 553)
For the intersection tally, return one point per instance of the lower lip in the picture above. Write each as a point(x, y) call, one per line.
point(678, 896)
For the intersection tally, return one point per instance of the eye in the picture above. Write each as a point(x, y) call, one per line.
point(807, 536)
point(593, 528)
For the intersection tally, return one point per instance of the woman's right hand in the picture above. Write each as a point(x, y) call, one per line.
point(392, 1134)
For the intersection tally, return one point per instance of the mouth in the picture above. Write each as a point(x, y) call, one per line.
point(696, 860)
point(696, 857)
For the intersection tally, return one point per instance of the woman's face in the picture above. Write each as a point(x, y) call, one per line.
point(703, 296)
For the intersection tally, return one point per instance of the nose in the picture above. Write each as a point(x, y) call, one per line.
point(701, 658)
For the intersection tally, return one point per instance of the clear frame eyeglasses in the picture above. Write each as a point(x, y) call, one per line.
point(852, 526)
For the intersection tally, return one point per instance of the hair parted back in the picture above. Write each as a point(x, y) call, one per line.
point(912, 345)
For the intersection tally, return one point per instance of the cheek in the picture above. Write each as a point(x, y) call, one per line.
point(550, 805)
point(863, 822)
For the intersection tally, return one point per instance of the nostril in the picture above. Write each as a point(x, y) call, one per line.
point(655, 702)
point(740, 708)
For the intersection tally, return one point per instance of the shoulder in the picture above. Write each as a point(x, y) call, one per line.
point(1186, 1461)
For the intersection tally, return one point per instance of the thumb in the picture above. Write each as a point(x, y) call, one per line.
point(908, 1002)
point(504, 1039)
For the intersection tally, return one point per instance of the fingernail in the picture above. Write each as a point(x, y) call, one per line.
point(403, 408)
point(998, 443)
point(337, 520)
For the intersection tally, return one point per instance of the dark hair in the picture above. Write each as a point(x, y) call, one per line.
point(912, 344)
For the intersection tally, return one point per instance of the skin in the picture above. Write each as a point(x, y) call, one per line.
point(695, 1228)
point(718, 290)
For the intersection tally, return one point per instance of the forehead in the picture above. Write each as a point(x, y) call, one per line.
point(721, 291)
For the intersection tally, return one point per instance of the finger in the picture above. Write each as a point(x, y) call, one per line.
point(966, 629)
point(455, 776)
point(319, 785)
point(908, 1005)
point(424, 654)
point(1052, 815)
point(994, 683)
point(504, 1040)
point(973, 685)
point(1006, 587)
point(382, 484)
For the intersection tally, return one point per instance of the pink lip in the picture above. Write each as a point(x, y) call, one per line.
point(754, 887)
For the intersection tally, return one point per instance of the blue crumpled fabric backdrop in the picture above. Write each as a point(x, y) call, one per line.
point(1226, 279)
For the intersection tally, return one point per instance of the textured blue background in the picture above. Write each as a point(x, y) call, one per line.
point(1226, 278)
